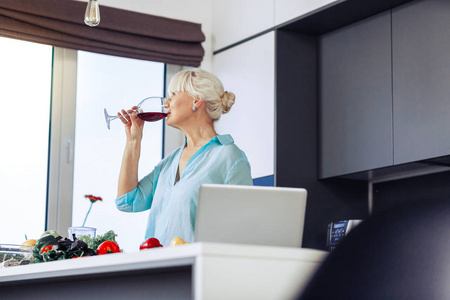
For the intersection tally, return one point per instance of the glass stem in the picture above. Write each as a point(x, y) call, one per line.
point(87, 213)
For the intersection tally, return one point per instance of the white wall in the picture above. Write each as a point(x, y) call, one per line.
point(235, 20)
point(248, 71)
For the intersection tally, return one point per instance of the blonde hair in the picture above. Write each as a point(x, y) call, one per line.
point(199, 83)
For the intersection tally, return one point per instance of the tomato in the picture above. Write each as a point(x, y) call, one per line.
point(108, 247)
point(150, 243)
point(47, 248)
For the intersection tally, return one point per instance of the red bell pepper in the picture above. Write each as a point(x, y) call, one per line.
point(108, 247)
point(47, 248)
point(150, 243)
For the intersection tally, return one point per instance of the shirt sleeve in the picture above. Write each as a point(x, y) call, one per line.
point(240, 173)
point(141, 198)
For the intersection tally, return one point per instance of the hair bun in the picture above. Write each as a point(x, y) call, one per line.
point(227, 101)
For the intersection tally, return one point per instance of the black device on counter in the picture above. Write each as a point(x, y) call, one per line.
point(338, 230)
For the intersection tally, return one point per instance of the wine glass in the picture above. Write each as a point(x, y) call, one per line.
point(150, 109)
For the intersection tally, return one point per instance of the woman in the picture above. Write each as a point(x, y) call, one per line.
point(170, 191)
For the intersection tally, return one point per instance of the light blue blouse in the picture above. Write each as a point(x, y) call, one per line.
point(173, 206)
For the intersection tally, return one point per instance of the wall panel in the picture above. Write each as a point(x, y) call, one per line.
point(248, 71)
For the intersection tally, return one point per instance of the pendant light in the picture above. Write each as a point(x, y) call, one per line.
point(92, 15)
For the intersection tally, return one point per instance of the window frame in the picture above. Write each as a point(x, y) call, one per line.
point(62, 137)
point(62, 133)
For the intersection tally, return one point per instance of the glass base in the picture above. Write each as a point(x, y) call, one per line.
point(81, 230)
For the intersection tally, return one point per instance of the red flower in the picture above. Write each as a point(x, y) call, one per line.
point(93, 198)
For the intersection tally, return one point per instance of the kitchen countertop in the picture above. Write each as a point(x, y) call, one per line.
point(204, 270)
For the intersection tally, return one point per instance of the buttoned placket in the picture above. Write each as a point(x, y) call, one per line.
point(188, 166)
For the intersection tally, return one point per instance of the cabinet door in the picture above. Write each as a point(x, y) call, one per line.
point(421, 68)
point(355, 113)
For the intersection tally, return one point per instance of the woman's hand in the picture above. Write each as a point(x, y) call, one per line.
point(128, 177)
point(133, 124)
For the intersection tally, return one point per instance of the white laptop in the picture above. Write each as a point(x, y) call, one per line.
point(255, 215)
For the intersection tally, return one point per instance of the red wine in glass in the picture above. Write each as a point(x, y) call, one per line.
point(152, 116)
point(154, 105)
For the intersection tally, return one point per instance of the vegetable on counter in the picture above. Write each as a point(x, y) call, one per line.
point(44, 241)
point(51, 248)
point(58, 249)
point(108, 247)
point(47, 248)
point(93, 243)
point(52, 232)
point(30, 242)
point(177, 241)
point(150, 243)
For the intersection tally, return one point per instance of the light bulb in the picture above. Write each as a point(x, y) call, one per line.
point(92, 15)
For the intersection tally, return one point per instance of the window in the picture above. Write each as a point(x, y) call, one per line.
point(59, 148)
point(25, 93)
point(113, 83)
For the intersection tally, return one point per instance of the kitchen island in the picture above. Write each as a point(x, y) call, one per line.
point(192, 271)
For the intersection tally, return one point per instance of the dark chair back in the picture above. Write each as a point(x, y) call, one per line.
point(403, 253)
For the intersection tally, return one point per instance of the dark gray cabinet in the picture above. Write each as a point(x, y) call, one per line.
point(355, 112)
point(308, 48)
point(385, 90)
point(421, 68)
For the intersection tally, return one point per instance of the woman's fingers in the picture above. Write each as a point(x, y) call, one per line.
point(124, 116)
point(131, 115)
point(127, 116)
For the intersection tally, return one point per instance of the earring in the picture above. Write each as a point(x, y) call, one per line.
point(194, 108)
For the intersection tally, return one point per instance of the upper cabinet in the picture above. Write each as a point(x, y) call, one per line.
point(237, 20)
point(381, 104)
point(356, 97)
point(421, 68)
point(286, 10)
